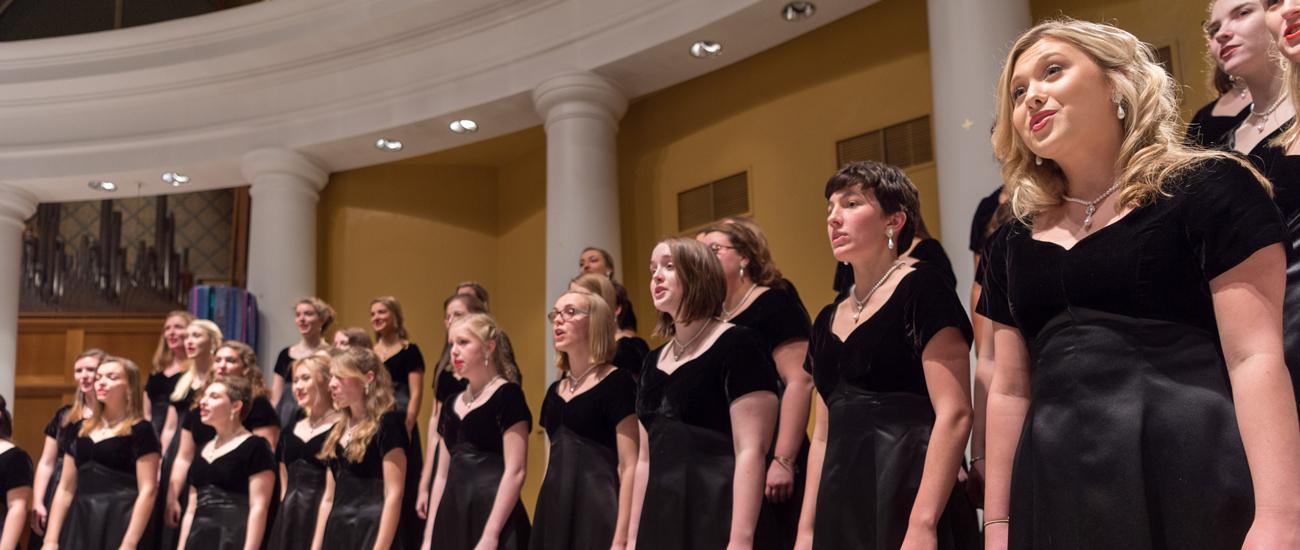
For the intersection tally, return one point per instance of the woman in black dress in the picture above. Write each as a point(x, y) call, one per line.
point(891, 367)
point(202, 337)
point(311, 316)
point(106, 496)
point(1210, 125)
point(707, 406)
point(15, 482)
point(1239, 37)
point(232, 478)
point(361, 508)
point(233, 359)
point(585, 502)
point(1138, 334)
point(756, 298)
point(484, 451)
point(630, 350)
point(405, 366)
point(168, 364)
point(301, 470)
point(59, 432)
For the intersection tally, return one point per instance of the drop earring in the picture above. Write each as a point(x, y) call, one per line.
point(1038, 161)
point(889, 233)
point(742, 272)
point(1119, 106)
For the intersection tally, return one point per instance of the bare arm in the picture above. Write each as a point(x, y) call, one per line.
point(148, 406)
point(1008, 403)
point(946, 363)
point(277, 389)
point(16, 518)
point(435, 493)
point(792, 427)
point(188, 521)
point(394, 478)
point(628, 439)
point(1248, 306)
point(259, 504)
point(62, 500)
point(752, 417)
point(180, 472)
point(284, 486)
point(146, 483)
point(816, 458)
point(984, 366)
point(416, 380)
point(639, 483)
point(323, 514)
point(432, 442)
point(514, 444)
point(41, 483)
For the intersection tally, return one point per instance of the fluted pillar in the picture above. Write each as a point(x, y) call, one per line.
point(16, 205)
point(581, 111)
point(969, 40)
point(285, 187)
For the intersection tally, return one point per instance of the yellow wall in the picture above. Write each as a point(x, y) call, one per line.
point(417, 227)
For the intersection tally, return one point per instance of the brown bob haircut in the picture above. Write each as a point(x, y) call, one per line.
point(704, 287)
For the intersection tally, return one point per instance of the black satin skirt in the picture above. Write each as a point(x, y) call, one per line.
point(167, 537)
point(1291, 307)
point(688, 494)
point(220, 520)
point(295, 523)
point(1130, 440)
point(577, 507)
point(158, 416)
point(353, 523)
point(412, 527)
point(875, 455)
point(473, 477)
point(100, 512)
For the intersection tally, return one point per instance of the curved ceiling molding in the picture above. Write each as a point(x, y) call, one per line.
point(327, 77)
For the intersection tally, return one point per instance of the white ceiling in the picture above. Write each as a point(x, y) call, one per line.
point(329, 77)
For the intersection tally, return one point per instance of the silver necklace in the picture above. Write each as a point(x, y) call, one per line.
point(575, 383)
point(679, 348)
point(1263, 116)
point(1090, 207)
point(728, 313)
point(469, 392)
point(860, 305)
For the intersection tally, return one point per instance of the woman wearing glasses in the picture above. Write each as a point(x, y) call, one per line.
point(589, 414)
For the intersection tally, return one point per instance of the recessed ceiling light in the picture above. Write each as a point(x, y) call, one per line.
point(385, 144)
point(176, 179)
point(464, 126)
point(798, 11)
point(99, 185)
point(706, 48)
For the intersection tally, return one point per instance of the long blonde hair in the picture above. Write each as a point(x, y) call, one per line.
point(1151, 154)
point(600, 330)
point(79, 401)
point(357, 363)
point(485, 327)
point(134, 400)
point(318, 364)
point(187, 378)
point(163, 356)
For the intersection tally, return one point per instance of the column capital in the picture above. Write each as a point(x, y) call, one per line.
point(16, 205)
point(285, 162)
point(579, 94)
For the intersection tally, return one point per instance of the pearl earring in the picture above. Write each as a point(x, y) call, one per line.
point(1038, 160)
point(889, 233)
point(742, 272)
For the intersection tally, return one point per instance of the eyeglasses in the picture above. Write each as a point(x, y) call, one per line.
point(568, 314)
point(716, 248)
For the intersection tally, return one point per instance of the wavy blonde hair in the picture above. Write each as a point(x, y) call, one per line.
point(134, 400)
point(1151, 154)
point(485, 327)
point(318, 365)
point(187, 378)
point(252, 372)
point(162, 356)
point(356, 363)
point(600, 329)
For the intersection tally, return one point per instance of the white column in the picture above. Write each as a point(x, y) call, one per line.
point(969, 40)
point(581, 111)
point(16, 205)
point(282, 240)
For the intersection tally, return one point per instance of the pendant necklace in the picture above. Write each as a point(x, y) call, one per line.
point(679, 348)
point(1265, 114)
point(728, 313)
point(1090, 207)
point(575, 383)
point(474, 396)
point(860, 305)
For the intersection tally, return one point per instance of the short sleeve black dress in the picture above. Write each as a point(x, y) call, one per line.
point(687, 413)
point(1130, 439)
point(577, 506)
point(880, 417)
point(221, 510)
point(101, 508)
point(15, 472)
point(159, 389)
point(400, 366)
point(474, 473)
point(979, 223)
point(353, 522)
point(1209, 131)
point(931, 252)
point(302, 492)
point(777, 317)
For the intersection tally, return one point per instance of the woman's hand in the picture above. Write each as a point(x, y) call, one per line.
point(422, 503)
point(1273, 530)
point(920, 538)
point(173, 515)
point(39, 516)
point(487, 542)
point(780, 482)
